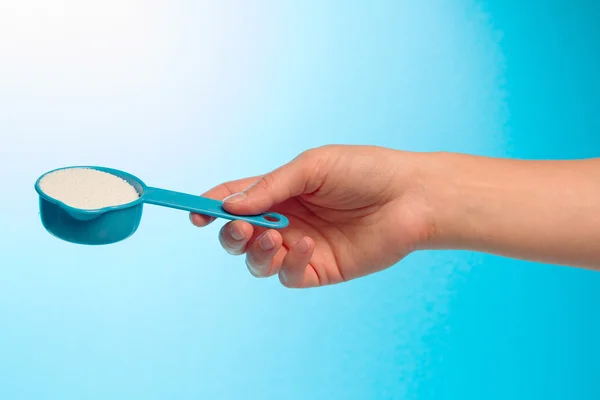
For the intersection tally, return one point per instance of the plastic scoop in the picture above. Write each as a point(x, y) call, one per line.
point(113, 224)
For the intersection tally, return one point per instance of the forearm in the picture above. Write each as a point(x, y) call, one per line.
point(546, 211)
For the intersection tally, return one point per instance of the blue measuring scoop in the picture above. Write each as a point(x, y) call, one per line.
point(113, 224)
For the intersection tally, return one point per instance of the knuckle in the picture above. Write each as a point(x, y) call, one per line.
point(258, 259)
point(249, 265)
point(310, 156)
point(315, 151)
point(232, 248)
point(314, 165)
point(288, 284)
point(285, 280)
point(234, 251)
point(255, 269)
point(265, 182)
point(229, 188)
point(321, 152)
point(252, 261)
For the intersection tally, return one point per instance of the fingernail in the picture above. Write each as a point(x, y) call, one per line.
point(235, 198)
point(266, 242)
point(235, 232)
point(302, 246)
point(191, 218)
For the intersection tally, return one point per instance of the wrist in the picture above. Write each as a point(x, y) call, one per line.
point(466, 198)
point(438, 186)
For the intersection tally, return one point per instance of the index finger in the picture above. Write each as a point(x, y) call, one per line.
point(220, 192)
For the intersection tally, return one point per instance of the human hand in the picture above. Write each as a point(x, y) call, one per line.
point(353, 210)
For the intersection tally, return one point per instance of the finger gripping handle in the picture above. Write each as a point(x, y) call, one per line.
point(209, 207)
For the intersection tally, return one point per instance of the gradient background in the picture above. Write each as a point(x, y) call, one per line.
point(186, 94)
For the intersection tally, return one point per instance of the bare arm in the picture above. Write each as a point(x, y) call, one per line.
point(546, 211)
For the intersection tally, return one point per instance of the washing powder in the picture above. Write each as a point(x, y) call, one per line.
point(87, 188)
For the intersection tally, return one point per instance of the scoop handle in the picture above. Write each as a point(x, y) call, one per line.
point(210, 207)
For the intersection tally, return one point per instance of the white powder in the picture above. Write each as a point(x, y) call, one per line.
point(87, 189)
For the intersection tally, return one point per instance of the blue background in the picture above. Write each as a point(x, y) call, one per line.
point(188, 94)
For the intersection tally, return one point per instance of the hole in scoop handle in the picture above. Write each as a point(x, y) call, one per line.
point(210, 207)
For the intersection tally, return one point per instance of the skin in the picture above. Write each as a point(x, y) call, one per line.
point(356, 210)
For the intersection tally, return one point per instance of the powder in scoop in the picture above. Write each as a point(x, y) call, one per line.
point(87, 188)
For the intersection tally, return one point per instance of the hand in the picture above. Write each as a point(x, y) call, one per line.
point(353, 210)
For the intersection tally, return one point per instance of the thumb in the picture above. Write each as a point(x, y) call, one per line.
point(290, 180)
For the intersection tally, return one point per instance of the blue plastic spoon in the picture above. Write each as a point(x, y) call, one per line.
point(113, 224)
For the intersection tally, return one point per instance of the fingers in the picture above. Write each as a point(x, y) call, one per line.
point(256, 195)
point(219, 193)
point(296, 271)
point(265, 253)
point(266, 256)
point(303, 175)
point(201, 220)
point(234, 237)
point(299, 176)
